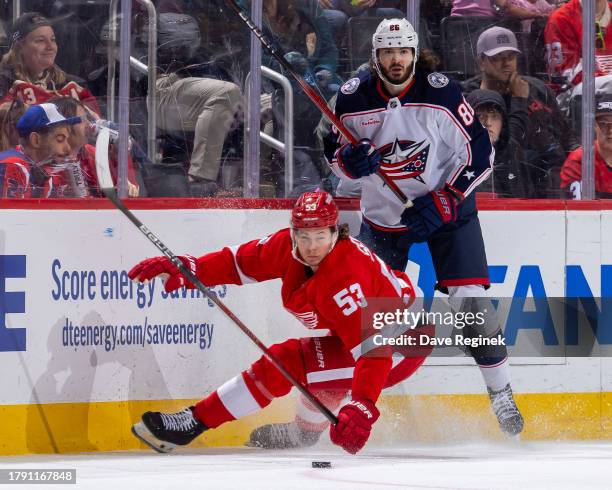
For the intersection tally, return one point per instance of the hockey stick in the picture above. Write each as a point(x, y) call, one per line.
point(316, 99)
point(108, 188)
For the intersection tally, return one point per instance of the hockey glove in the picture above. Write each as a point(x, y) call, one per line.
point(170, 275)
point(355, 421)
point(431, 211)
point(359, 161)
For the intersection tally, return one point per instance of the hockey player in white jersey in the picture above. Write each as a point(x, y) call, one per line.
point(419, 132)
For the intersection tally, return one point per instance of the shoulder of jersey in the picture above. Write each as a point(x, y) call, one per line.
point(355, 94)
point(437, 80)
point(439, 89)
point(355, 85)
point(350, 254)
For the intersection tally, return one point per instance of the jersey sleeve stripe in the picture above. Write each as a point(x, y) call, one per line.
point(375, 340)
point(330, 375)
point(243, 277)
point(483, 176)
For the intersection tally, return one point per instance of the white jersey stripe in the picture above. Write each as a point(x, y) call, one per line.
point(243, 277)
point(329, 375)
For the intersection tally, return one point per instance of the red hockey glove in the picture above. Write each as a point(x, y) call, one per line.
point(431, 211)
point(161, 266)
point(355, 421)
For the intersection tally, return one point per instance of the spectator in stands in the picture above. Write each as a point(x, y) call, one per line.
point(520, 9)
point(10, 112)
point(193, 97)
point(337, 12)
point(563, 37)
point(28, 71)
point(43, 142)
point(508, 134)
point(78, 176)
point(302, 32)
point(549, 137)
point(571, 172)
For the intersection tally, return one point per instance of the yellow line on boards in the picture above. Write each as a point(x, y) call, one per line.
point(105, 426)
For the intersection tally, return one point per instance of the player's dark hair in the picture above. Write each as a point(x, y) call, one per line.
point(343, 231)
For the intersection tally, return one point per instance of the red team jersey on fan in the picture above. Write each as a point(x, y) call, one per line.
point(30, 94)
point(571, 172)
point(328, 299)
point(563, 38)
point(14, 174)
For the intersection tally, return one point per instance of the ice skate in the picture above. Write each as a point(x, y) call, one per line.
point(282, 436)
point(164, 431)
point(507, 413)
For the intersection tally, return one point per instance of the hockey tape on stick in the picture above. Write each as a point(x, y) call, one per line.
point(108, 188)
point(315, 98)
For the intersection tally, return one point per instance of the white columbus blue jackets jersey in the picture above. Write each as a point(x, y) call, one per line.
point(428, 137)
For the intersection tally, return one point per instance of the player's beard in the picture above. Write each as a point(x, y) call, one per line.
point(397, 78)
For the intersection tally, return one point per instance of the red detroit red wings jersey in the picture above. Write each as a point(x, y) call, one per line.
point(14, 174)
point(563, 38)
point(330, 298)
point(30, 94)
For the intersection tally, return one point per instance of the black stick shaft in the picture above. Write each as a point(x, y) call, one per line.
point(112, 195)
point(316, 99)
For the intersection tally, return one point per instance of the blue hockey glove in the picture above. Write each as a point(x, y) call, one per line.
point(432, 211)
point(359, 161)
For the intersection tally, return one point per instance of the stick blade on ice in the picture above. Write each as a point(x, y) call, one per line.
point(102, 169)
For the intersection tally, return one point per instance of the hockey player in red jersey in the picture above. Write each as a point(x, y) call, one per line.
point(326, 277)
point(418, 131)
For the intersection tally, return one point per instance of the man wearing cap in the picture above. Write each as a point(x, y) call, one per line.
point(571, 172)
point(549, 136)
point(43, 139)
point(508, 133)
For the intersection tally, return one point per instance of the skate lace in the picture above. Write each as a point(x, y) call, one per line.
point(503, 404)
point(179, 421)
point(283, 433)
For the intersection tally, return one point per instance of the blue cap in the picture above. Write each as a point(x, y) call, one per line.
point(41, 116)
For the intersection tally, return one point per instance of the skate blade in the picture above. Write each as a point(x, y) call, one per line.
point(141, 432)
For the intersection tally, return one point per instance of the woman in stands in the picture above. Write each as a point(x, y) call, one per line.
point(28, 71)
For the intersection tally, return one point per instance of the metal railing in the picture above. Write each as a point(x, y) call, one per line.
point(285, 146)
point(149, 69)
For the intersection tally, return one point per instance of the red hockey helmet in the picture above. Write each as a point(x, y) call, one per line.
point(314, 210)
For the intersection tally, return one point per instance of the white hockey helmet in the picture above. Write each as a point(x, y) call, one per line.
point(394, 33)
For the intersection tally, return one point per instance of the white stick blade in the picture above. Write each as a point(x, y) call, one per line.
point(102, 169)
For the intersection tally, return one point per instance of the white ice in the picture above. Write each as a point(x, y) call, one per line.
point(524, 466)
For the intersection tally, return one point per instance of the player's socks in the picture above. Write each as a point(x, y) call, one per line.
point(164, 431)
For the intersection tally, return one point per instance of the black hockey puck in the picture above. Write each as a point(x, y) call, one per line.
point(321, 464)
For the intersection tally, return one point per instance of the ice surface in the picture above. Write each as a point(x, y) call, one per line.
point(524, 466)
